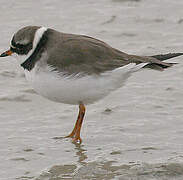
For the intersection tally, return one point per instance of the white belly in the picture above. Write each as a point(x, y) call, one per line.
point(75, 89)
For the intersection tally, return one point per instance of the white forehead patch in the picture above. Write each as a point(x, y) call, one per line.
point(38, 35)
point(23, 42)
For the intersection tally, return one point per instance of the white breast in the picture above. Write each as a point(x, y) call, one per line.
point(74, 89)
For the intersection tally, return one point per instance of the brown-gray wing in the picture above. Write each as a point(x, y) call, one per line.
point(73, 54)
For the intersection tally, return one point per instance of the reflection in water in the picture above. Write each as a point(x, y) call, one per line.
point(81, 153)
point(58, 171)
point(108, 170)
point(67, 171)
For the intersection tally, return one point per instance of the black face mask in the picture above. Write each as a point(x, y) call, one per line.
point(20, 49)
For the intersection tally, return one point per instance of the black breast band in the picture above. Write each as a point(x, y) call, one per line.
point(29, 63)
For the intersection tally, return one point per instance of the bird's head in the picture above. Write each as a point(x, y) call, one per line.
point(24, 42)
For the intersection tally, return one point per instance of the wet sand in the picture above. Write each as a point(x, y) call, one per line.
point(133, 134)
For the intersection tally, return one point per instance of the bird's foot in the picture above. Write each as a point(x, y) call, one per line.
point(58, 137)
point(71, 135)
point(76, 140)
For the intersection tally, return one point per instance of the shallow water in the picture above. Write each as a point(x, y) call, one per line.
point(133, 134)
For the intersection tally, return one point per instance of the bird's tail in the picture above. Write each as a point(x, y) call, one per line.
point(161, 57)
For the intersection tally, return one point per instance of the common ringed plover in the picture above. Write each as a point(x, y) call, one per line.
point(75, 69)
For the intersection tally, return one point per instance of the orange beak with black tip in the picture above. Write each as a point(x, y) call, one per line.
point(6, 53)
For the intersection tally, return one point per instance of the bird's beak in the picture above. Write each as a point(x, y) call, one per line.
point(6, 53)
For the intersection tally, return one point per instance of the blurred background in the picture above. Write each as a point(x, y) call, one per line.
point(133, 134)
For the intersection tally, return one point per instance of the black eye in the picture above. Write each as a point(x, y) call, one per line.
point(20, 46)
point(21, 49)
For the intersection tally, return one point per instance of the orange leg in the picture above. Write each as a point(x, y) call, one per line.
point(75, 134)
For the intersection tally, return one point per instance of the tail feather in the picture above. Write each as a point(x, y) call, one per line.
point(163, 57)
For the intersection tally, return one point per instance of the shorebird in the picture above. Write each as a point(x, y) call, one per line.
point(75, 69)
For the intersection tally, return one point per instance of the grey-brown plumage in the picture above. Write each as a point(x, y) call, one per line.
point(77, 53)
point(27, 33)
point(73, 54)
